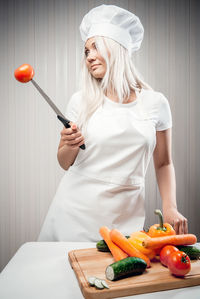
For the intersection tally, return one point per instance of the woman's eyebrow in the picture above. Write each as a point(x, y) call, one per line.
point(91, 45)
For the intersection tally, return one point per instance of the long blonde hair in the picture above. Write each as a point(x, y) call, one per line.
point(121, 76)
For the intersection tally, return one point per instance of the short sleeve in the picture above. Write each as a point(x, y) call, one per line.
point(164, 117)
point(73, 107)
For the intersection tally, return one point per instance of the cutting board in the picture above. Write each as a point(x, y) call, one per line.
point(91, 262)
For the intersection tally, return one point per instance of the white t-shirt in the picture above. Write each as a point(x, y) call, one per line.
point(155, 105)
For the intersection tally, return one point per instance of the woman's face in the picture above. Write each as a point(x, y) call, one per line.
point(94, 61)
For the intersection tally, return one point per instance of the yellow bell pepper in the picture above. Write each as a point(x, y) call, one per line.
point(136, 240)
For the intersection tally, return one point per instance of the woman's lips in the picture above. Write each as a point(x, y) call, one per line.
point(95, 66)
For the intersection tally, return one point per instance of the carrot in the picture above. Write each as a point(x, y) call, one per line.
point(184, 239)
point(117, 253)
point(118, 238)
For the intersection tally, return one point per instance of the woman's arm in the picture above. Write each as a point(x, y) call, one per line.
point(70, 141)
point(166, 180)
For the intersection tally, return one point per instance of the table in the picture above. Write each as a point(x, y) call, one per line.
point(41, 270)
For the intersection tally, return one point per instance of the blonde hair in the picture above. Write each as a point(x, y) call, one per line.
point(121, 76)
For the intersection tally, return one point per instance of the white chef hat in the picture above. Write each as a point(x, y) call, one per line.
point(114, 22)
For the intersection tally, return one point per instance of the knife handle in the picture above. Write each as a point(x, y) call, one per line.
point(67, 125)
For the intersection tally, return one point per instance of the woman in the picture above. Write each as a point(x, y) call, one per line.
point(123, 122)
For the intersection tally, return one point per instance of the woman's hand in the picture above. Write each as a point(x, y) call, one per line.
point(177, 220)
point(72, 137)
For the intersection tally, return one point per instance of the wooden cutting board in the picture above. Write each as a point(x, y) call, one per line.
point(91, 262)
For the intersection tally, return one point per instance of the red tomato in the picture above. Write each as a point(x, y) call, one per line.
point(24, 73)
point(179, 263)
point(165, 253)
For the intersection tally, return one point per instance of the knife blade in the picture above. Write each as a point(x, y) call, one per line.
point(59, 114)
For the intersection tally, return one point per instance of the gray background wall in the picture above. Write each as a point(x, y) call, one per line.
point(46, 35)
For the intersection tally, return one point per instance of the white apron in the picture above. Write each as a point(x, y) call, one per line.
point(105, 185)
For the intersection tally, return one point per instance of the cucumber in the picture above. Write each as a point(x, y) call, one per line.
point(102, 246)
point(125, 268)
point(193, 251)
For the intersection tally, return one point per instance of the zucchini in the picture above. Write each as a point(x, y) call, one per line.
point(102, 246)
point(125, 268)
point(193, 251)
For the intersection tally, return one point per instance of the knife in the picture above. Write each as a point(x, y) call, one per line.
point(59, 114)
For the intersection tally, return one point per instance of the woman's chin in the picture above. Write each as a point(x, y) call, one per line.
point(97, 75)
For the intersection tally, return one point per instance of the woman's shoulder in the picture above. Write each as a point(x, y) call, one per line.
point(157, 106)
point(76, 96)
point(75, 100)
point(153, 97)
point(73, 106)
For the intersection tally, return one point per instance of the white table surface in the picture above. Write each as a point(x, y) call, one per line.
point(41, 270)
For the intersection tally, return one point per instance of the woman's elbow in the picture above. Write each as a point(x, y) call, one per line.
point(164, 162)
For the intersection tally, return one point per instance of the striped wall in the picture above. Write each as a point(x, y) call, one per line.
point(46, 35)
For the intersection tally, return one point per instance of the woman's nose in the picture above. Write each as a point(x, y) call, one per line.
point(91, 56)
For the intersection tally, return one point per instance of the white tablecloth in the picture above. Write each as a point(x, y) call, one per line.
point(42, 271)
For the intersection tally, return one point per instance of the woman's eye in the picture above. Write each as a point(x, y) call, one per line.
point(86, 53)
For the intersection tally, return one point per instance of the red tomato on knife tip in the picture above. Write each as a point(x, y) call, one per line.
point(24, 73)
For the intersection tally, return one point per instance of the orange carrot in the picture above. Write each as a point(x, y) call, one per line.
point(184, 239)
point(118, 238)
point(118, 254)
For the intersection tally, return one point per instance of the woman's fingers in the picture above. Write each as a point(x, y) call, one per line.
point(73, 126)
point(177, 220)
point(185, 225)
point(72, 136)
point(176, 226)
point(78, 145)
point(180, 226)
point(75, 141)
point(68, 131)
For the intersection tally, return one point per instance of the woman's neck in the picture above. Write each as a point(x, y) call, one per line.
point(112, 96)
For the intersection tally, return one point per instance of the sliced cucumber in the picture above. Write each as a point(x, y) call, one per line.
point(91, 280)
point(125, 267)
point(98, 283)
point(104, 283)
